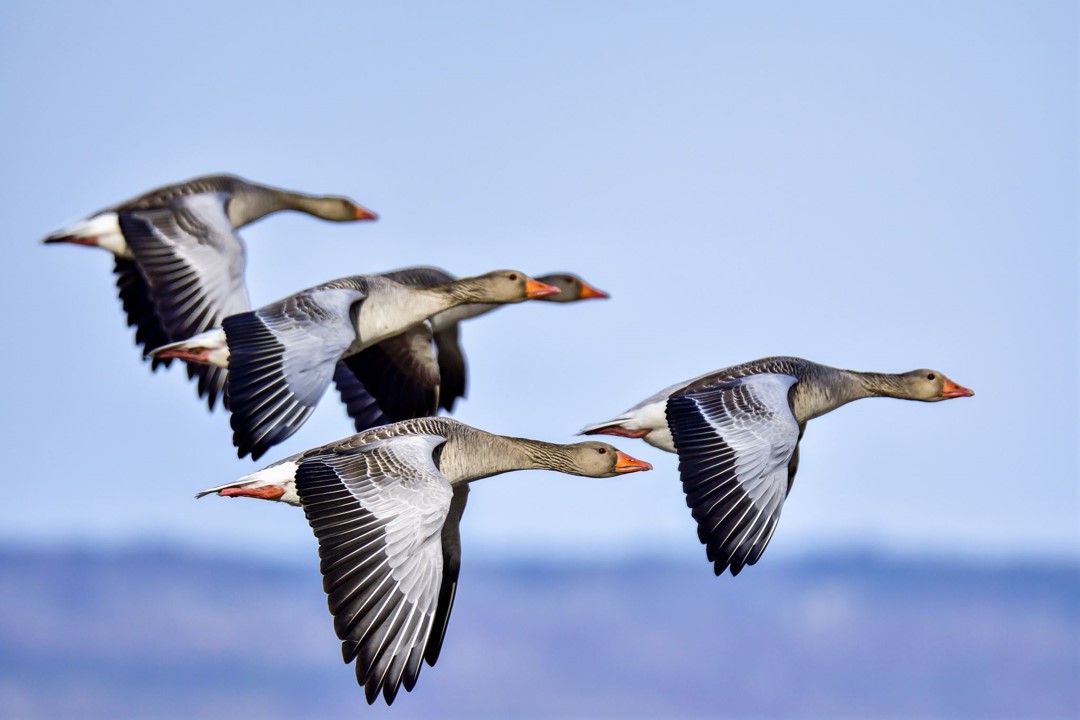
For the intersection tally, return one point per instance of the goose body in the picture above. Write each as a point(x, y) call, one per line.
point(385, 506)
point(179, 262)
point(281, 357)
point(737, 431)
point(392, 364)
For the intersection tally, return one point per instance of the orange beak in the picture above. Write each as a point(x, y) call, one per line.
point(588, 291)
point(365, 214)
point(951, 390)
point(536, 289)
point(626, 464)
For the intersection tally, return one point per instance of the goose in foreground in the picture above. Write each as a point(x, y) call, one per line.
point(179, 262)
point(737, 431)
point(385, 506)
point(398, 384)
point(281, 357)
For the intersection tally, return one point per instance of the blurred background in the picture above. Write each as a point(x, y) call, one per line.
point(876, 186)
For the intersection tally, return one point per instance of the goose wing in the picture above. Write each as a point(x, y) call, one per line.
point(135, 297)
point(451, 548)
point(378, 512)
point(397, 379)
point(281, 360)
point(453, 373)
point(192, 264)
point(736, 443)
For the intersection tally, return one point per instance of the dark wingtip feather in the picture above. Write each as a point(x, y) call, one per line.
point(371, 688)
point(139, 309)
point(390, 691)
point(440, 622)
point(413, 673)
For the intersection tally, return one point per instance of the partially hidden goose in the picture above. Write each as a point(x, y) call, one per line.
point(385, 506)
point(281, 357)
point(179, 262)
point(387, 367)
point(737, 430)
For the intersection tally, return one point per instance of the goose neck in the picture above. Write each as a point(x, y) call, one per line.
point(480, 455)
point(822, 389)
point(463, 291)
point(873, 384)
point(254, 202)
point(316, 205)
point(392, 308)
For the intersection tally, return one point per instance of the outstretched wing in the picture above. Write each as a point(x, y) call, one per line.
point(378, 512)
point(281, 360)
point(192, 263)
point(397, 379)
point(735, 445)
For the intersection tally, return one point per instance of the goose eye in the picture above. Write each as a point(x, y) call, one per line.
point(513, 276)
point(601, 450)
point(930, 376)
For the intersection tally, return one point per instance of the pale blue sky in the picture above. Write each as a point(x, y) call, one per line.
point(881, 186)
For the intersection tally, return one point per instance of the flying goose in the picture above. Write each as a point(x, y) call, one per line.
point(737, 431)
point(281, 357)
point(385, 506)
point(389, 366)
point(179, 262)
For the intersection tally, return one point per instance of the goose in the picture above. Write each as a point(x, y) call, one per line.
point(385, 506)
point(737, 431)
point(388, 366)
point(281, 358)
point(572, 288)
point(179, 262)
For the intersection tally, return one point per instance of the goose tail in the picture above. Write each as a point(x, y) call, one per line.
point(276, 482)
point(207, 348)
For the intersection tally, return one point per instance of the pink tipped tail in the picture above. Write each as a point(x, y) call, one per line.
point(266, 492)
point(196, 355)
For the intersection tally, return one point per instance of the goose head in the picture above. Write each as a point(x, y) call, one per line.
point(597, 459)
point(341, 209)
point(503, 286)
point(571, 288)
point(931, 386)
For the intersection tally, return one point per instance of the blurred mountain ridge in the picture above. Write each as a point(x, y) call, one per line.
point(161, 632)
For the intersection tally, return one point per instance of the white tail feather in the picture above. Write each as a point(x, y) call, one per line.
point(102, 229)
